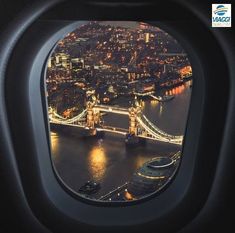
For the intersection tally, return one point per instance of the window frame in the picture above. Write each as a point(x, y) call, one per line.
point(39, 119)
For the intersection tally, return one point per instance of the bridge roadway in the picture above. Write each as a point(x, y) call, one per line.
point(109, 129)
point(113, 130)
point(111, 109)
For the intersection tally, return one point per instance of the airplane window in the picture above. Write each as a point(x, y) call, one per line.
point(118, 98)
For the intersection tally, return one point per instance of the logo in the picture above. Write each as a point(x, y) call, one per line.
point(221, 15)
point(220, 10)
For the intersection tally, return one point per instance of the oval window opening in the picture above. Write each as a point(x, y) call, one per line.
point(118, 98)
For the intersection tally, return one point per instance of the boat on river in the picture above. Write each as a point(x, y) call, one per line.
point(90, 187)
point(163, 98)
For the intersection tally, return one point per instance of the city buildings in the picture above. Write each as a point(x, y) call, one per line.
point(112, 61)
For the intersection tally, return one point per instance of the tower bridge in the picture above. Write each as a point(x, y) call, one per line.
point(139, 125)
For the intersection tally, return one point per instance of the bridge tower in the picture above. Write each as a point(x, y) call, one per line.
point(93, 116)
point(90, 121)
point(133, 123)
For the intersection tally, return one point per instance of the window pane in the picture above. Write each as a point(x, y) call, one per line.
point(118, 96)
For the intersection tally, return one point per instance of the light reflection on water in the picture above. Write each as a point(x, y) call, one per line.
point(160, 110)
point(97, 162)
point(54, 143)
point(176, 90)
point(154, 103)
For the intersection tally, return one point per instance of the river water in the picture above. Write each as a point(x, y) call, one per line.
point(107, 160)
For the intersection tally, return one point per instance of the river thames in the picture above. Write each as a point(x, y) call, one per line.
point(107, 160)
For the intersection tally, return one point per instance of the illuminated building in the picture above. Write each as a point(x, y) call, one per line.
point(77, 63)
point(143, 25)
point(152, 176)
point(62, 59)
point(49, 63)
point(147, 37)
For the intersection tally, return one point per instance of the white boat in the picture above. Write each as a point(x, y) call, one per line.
point(163, 98)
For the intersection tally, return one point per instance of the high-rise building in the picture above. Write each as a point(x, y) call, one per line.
point(77, 63)
point(65, 60)
point(49, 64)
point(147, 37)
point(57, 59)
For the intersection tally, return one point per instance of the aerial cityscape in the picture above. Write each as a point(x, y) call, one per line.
point(118, 98)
